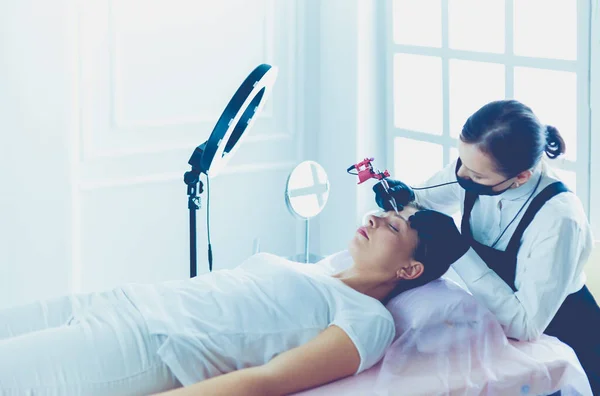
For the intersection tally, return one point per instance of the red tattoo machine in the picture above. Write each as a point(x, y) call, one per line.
point(364, 170)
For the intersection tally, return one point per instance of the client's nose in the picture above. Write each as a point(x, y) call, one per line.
point(372, 221)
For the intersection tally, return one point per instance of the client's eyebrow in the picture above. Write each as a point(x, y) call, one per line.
point(399, 216)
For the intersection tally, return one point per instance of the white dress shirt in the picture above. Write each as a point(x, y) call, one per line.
point(554, 249)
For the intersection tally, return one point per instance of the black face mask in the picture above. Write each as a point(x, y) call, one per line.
point(479, 189)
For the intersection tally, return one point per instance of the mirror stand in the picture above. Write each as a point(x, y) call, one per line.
point(306, 240)
point(306, 193)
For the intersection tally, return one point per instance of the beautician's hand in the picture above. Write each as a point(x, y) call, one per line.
point(440, 227)
point(402, 193)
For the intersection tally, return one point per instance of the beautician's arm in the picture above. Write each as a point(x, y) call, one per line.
point(328, 357)
point(549, 259)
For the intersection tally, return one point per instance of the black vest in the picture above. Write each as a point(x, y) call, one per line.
point(577, 322)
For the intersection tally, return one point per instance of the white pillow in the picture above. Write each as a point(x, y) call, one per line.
point(441, 301)
point(441, 316)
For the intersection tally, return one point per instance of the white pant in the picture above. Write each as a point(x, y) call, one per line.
point(92, 344)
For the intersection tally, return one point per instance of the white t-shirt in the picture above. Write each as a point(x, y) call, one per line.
point(232, 319)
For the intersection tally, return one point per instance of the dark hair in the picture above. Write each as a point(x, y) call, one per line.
point(511, 133)
point(430, 254)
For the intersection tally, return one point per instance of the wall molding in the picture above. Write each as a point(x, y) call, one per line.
point(199, 119)
point(163, 148)
point(168, 177)
point(105, 132)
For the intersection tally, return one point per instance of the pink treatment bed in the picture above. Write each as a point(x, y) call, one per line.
point(423, 376)
point(448, 344)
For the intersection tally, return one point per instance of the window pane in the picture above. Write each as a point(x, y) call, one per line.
point(552, 95)
point(476, 25)
point(567, 177)
point(546, 29)
point(415, 161)
point(418, 93)
point(418, 22)
point(472, 85)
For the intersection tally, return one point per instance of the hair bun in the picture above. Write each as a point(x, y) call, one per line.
point(555, 144)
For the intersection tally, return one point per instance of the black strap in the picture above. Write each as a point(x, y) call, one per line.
point(536, 204)
point(465, 225)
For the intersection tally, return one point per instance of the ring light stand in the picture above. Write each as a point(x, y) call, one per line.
point(211, 156)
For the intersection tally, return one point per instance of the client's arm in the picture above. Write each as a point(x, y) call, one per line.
point(328, 357)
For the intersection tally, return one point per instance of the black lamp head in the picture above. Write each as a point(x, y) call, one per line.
point(212, 156)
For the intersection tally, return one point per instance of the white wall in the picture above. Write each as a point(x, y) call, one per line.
point(36, 119)
point(352, 112)
point(592, 269)
point(102, 103)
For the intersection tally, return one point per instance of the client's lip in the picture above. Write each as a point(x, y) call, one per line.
point(363, 231)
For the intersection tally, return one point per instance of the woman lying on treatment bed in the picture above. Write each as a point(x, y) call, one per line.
point(267, 327)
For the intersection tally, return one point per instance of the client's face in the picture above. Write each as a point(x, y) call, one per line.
point(386, 242)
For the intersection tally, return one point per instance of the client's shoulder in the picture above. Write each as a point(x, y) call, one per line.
point(359, 305)
point(266, 258)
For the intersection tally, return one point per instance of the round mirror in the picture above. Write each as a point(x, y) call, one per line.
point(307, 190)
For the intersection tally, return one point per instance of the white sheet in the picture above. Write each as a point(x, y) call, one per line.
point(519, 368)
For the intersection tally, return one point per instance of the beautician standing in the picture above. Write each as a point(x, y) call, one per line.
point(524, 236)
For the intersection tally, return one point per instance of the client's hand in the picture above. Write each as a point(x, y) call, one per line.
point(402, 193)
point(440, 227)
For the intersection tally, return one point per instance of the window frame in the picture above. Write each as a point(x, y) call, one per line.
point(594, 95)
point(588, 91)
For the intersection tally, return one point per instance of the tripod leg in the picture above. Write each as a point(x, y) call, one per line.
point(193, 241)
